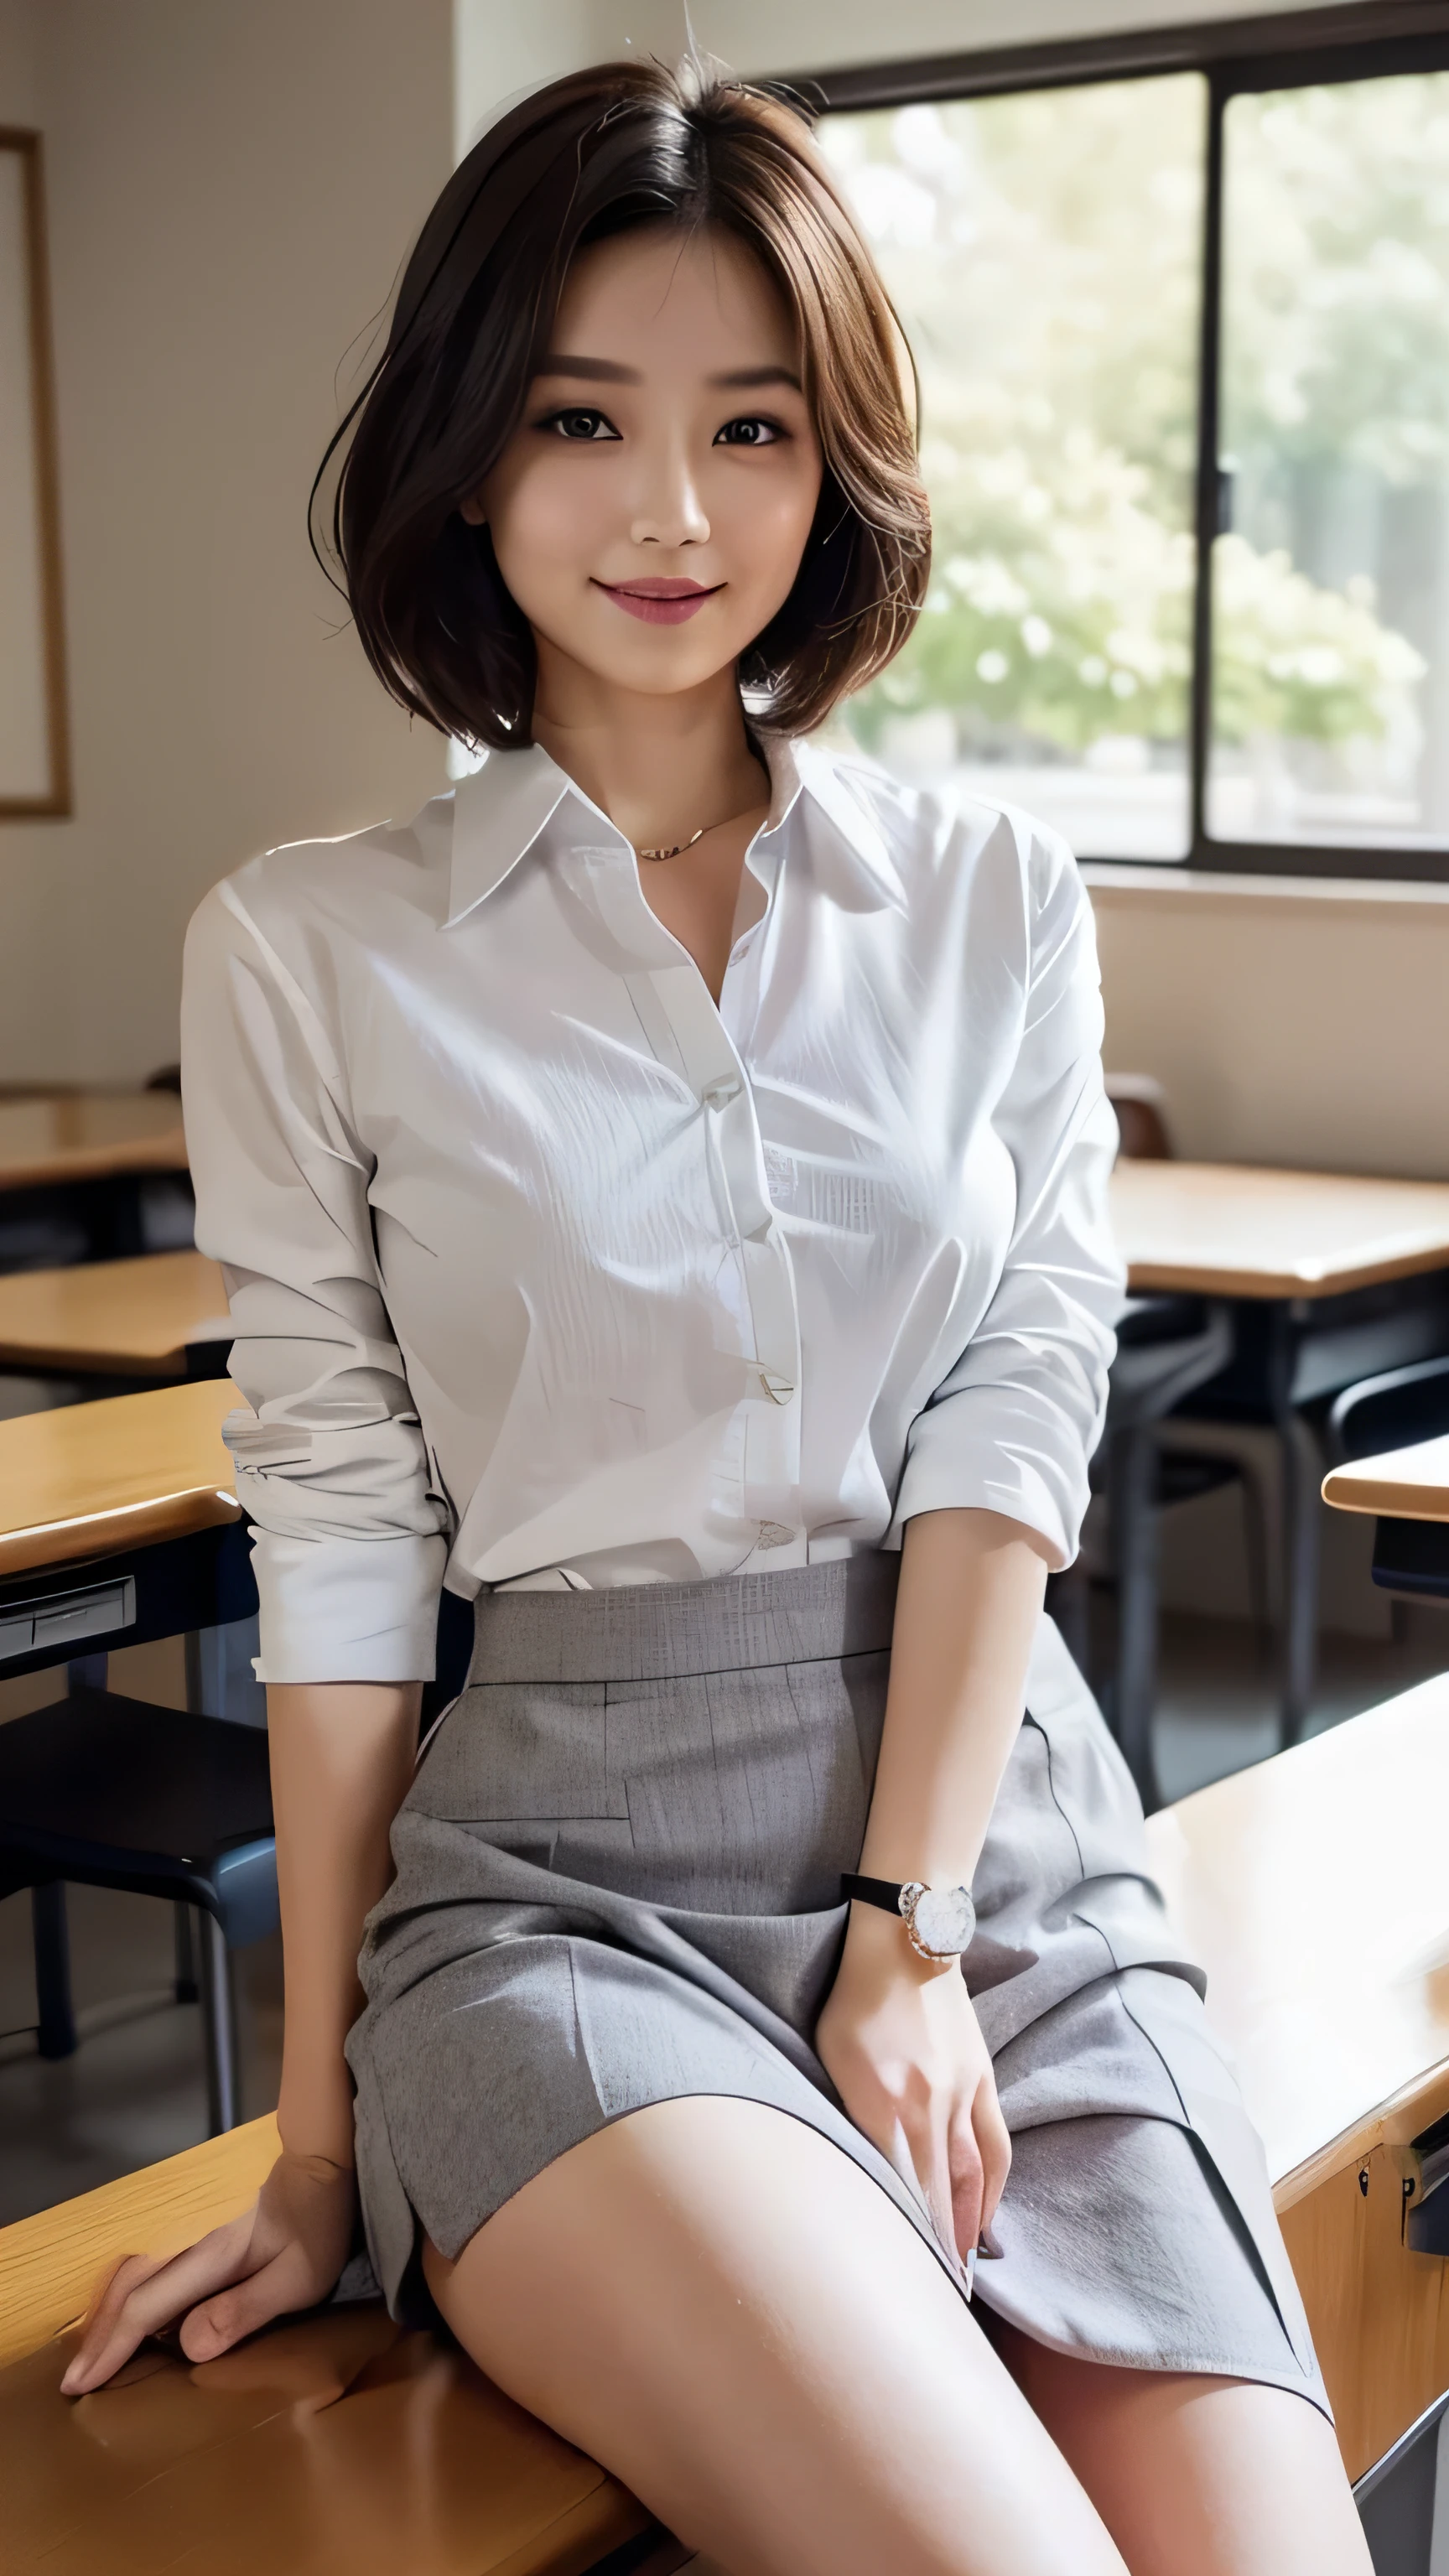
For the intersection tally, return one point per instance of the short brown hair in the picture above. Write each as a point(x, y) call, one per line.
point(624, 145)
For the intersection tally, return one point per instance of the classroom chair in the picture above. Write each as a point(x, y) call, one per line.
point(1167, 1346)
point(112, 1792)
point(1394, 1410)
point(1389, 1411)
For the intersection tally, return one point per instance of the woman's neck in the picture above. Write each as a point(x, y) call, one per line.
point(661, 768)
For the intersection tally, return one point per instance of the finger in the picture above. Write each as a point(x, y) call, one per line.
point(931, 2156)
point(287, 2282)
point(993, 2141)
point(107, 2302)
point(143, 2295)
point(967, 2180)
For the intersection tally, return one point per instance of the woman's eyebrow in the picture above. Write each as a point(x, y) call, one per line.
point(739, 377)
point(594, 371)
point(606, 371)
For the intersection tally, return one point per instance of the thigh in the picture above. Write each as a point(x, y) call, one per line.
point(716, 2302)
point(1196, 2476)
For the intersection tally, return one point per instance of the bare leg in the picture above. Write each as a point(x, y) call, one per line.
point(716, 2303)
point(1196, 2476)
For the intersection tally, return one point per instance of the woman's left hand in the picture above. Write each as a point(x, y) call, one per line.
point(900, 2041)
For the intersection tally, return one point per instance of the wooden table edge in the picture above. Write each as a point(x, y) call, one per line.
point(1388, 1503)
point(34, 1358)
point(196, 1507)
point(52, 2263)
point(1204, 1279)
point(1383, 1499)
point(1392, 2123)
point(96, 1162)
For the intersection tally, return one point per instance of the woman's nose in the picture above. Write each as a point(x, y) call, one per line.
point(668, 510)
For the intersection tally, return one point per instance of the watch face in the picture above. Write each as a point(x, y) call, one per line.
point(943, 1919)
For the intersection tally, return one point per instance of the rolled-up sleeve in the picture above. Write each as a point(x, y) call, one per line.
point(1012, 1426)
point(349, 1535)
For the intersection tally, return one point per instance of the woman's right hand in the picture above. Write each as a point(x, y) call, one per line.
point(286, 2252)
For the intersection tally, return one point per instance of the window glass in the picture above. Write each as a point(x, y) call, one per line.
point(1044, 253)
point(1331, 581)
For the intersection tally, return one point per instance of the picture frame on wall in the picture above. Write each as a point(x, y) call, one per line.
point(34, 731)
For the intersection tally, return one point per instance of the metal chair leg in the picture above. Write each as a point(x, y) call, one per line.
point(1302, 1477)
point(1255, 1543)
point(51, 1934)
point(183, 1934)
point(1132, 1496)
point(218, 2010)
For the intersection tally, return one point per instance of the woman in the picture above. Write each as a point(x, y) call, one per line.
point(663, 1189)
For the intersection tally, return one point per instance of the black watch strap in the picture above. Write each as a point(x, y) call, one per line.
point(884, 1892)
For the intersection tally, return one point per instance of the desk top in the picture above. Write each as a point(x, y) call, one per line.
point(132, 1317)
point(1233, 1230)
point(1314, 1891)
point(80, 1136)
point(1403, 1484)
point(88, 1479)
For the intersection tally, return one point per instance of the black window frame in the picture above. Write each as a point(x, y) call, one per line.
point(1293, 48)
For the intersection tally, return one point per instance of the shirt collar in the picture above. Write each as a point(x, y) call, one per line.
point(500, 810)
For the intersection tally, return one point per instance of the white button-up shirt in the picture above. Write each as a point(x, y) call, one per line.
point(546, 1271)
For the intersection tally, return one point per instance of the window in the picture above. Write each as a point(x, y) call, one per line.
point(1182, 330)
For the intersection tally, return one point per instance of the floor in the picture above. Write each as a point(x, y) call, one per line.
point(135, 2089)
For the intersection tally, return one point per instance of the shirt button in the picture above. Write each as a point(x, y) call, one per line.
point(719, 1093)
point(779, 1389)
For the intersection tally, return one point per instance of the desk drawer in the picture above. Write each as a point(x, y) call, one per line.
point(54, 1622)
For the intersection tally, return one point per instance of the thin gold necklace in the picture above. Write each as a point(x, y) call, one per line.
point(679, 847)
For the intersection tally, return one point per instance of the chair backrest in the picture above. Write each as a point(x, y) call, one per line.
point(1141, 1106)
point(1389, 1411)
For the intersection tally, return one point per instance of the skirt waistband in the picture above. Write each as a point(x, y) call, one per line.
point(666, 1631)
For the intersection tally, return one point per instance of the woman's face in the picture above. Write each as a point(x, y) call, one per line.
point(650, 512)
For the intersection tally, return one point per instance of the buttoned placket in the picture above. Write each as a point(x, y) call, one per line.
point(686, 1029)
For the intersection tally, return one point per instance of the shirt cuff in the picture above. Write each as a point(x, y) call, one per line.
point(950, 1470)
point(347, 1610)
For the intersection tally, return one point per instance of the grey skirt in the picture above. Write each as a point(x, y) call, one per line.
point(618, 1882)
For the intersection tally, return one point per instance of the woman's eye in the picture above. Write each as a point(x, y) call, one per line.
point(580, 425)
point(750, 432)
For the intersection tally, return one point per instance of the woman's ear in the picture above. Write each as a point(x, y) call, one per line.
point(472, 511)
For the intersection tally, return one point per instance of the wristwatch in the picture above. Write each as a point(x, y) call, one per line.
point(939, 1921)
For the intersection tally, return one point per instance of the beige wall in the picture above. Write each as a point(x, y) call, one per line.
point(231, 189)
point(1290, 1023)
point(19, 67)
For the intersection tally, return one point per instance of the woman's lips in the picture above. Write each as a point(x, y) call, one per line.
point(660, 603)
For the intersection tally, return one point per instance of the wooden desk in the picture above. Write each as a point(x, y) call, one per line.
point(337, 2443)
point(1315, 1892)
point(131, 1318)
point(1402, 1485)
point(89, 1135)
point(1408, 1491)
point(1232, 1230)
point(88, 1480)
point(1282, 1246)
